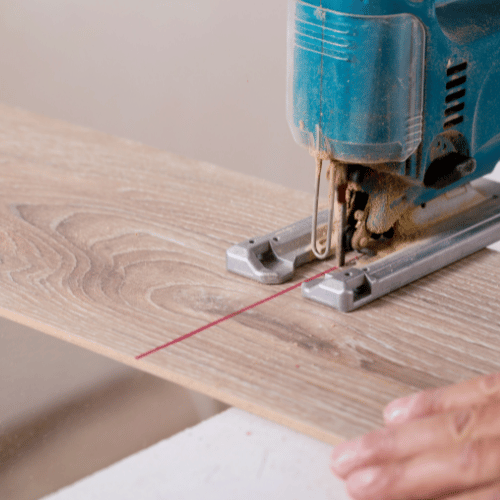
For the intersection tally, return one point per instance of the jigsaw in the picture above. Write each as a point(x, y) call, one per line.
point(401, 99)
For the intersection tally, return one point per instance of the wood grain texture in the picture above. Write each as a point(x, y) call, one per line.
point(119, 248)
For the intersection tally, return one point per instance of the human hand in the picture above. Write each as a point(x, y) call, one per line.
point(442, 443)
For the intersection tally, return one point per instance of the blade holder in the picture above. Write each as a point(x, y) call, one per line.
point(274, 257)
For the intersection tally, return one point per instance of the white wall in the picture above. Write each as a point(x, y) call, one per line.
point(204, 78)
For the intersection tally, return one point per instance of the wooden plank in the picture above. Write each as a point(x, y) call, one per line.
point(119, 248)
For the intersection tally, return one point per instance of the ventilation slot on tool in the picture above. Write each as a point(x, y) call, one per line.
point(456, 92)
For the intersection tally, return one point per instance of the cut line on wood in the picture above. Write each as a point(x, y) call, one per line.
point(236, 313)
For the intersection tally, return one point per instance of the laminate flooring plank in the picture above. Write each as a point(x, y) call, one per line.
point(120, 248)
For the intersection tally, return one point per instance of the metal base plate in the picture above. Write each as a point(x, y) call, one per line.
point(273, 258)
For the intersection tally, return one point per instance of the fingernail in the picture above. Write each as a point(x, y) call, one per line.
point(344, 456)
point(359, 481)
point(399, 410)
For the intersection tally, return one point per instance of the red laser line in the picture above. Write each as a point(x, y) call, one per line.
point(233, 314)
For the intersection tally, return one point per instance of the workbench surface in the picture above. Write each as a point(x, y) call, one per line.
point(120, 248)
point(233, 455)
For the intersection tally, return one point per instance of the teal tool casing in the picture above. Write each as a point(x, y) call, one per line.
point(356, 83)
point(380, 82)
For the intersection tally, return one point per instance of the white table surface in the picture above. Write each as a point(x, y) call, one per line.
point(234, 455)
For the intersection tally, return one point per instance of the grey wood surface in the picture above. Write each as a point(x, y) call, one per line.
point(119, 248)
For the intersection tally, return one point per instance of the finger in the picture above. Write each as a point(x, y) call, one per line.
point(399, 442)
point(430, 475)
point(477, 391)
point(491, 492)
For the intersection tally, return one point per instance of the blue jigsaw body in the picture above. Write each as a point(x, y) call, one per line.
point(406, 87)
point(402, 98)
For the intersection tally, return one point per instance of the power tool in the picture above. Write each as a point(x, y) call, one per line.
point(401, 98)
